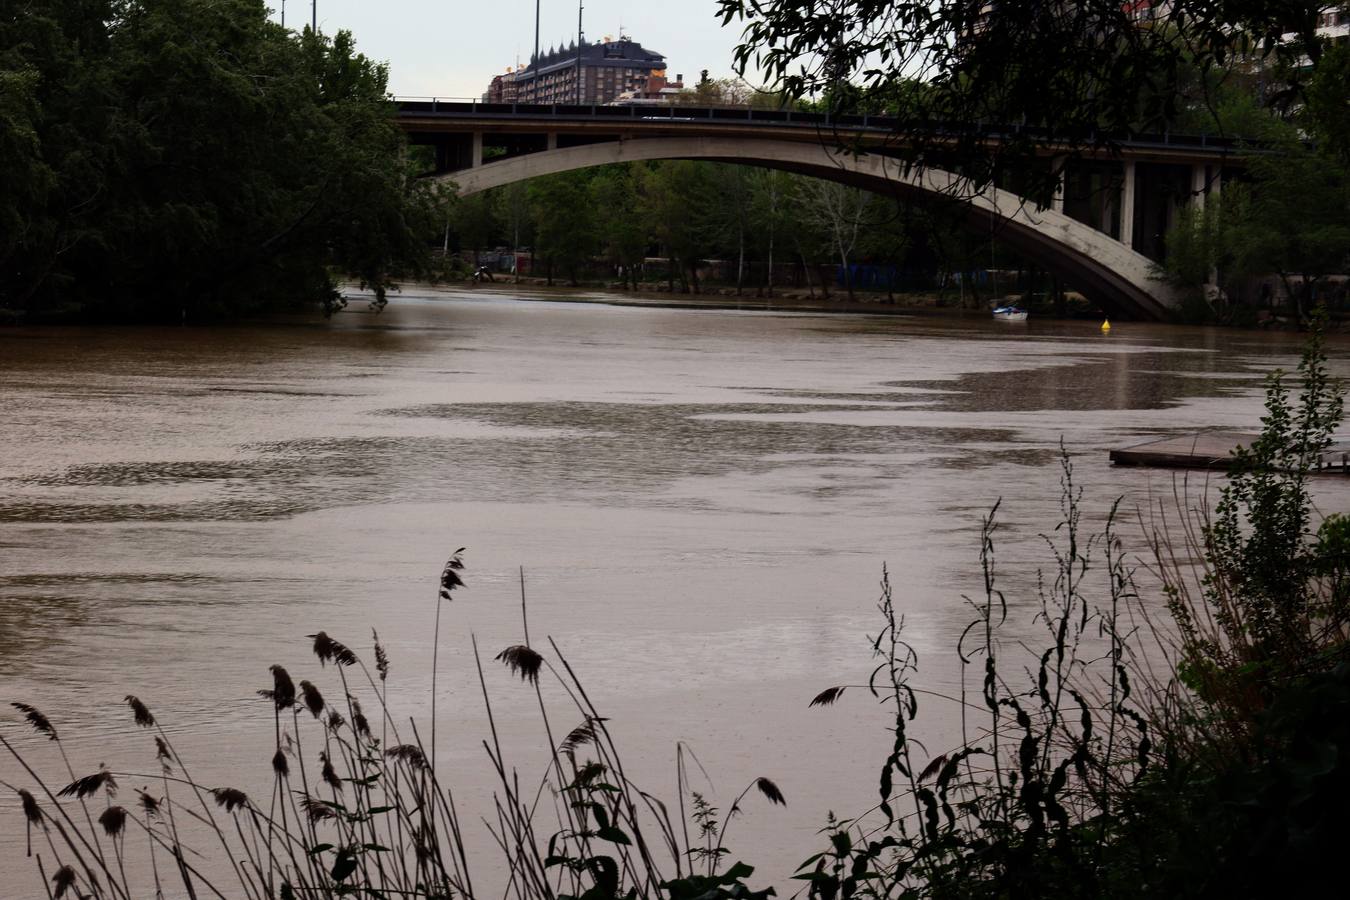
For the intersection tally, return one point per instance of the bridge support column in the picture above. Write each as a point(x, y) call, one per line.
point(1199, 180)
point(552, 141)
point(1127, 205)
point(1060, 165)
point(477, 153)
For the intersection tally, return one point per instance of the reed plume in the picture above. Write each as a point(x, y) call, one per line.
point(408, 753)
point(450, 574)
point(282, 692)
point(230, 799)
point(40, 723)
point(140, 711)
point(329, 650)
point(523, 661)
point(90, 785)
point(62, 881)
point(113, 820)
point(313, 699)
point(381, 657)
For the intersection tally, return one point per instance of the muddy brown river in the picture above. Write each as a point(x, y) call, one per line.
point(701, 501)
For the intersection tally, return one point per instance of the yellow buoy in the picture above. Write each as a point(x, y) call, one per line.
point(1106, 325)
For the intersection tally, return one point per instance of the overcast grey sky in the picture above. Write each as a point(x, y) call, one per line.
point(454, 47)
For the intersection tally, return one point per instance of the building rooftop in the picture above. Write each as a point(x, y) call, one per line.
point(623, 52)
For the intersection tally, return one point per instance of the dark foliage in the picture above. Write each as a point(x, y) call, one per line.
point(1091, 73)
point(169, 159)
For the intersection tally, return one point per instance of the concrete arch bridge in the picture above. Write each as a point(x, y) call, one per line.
point(1102, 233)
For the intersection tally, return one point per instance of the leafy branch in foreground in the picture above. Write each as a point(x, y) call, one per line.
point(1090, 73)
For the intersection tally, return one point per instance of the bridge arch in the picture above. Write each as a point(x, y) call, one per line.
point(1103, 268)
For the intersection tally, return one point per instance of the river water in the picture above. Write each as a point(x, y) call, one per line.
point(701, 501)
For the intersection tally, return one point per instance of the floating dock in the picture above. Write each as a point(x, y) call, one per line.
point(1212, 450)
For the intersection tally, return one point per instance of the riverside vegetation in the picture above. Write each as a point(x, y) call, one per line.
point(190, 159)
point(1183, 730)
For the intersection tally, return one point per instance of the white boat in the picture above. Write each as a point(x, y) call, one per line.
point(1010, 314)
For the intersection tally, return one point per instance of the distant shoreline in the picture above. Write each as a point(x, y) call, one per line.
point(716, 298)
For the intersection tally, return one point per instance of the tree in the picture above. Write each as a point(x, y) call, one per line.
point(1091, 72)
point(716, 92)
point(514, 212)
point(25, 176)
point(768, 213)
point(622, 230)
point(474, 222)
point(676, 201)
point(1327, 114)
point(888, 237)
point(839, 212)
point(565, 229)
point(192, 158)
point(731, 212)
point(1291, 218)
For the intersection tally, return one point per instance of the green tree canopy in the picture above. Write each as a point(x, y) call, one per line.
point(191, 157)
point(1090, 72)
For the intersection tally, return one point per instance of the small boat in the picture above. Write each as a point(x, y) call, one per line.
point(1010, 314)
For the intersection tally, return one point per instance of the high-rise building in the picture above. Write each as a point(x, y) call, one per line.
point(503, 88)
point(606, 70)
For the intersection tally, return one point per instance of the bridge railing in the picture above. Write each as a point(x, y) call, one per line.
point(454, 107)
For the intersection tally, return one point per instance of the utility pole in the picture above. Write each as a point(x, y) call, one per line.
point(283, 13)
point(314, 16)
point(581, 39)
point(534, 60)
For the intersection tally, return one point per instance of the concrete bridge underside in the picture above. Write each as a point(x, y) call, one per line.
point(1102, 268)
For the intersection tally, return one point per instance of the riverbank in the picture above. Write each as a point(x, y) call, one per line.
point(908, 304)
point(657, 296)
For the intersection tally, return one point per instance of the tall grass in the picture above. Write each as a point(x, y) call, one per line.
point(358, 808)
point(1051, 737)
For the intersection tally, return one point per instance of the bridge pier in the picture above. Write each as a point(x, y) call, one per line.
point(552, 141)
point(1199, 182)
point(1127, 205)
point(1059, 164)
point(476, 154)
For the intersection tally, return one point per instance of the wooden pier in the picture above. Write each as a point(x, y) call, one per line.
point(1212, 450)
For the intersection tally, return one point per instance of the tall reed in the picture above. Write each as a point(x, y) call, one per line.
point(359, 810)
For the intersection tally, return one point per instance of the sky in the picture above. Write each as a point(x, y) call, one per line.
point(452, 48)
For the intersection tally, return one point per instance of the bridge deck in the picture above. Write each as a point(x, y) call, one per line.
point(441, 116)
